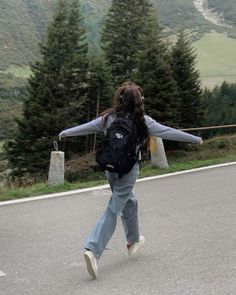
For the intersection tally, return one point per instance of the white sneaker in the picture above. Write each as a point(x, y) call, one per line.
point(132, 249)
point(92, 264)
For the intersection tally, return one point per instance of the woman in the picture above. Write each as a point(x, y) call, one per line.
point(128, 99)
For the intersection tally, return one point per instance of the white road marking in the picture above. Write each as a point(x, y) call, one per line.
point(2, 274)
point(186, 171)
point(106, 186)
point(74, 192)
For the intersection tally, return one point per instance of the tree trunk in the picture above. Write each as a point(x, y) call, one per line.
point(97, 113)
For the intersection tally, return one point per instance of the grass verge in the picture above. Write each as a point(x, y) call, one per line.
point(145, 171)
point(43, 189)
point(217, 150)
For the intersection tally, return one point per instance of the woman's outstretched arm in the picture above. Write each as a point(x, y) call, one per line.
point(165, 132)
point(94, 126)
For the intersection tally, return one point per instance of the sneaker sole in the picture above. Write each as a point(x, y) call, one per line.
point(89, 266)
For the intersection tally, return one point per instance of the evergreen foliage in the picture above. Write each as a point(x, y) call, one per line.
point(9, 110)
point(56, 92)
point(133, 47)
point(100, 93)
point(159, 87)
point(126, 25)
point(154, 74)
point(220, 108)
point(101, 86)
point(183, 61)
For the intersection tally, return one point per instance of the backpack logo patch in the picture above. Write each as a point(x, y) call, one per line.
point(119, 135)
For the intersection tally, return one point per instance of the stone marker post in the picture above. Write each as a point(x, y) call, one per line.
point(56, 169)
point(158, 155)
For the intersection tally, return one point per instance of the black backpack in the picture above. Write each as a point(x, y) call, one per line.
point(118, 152)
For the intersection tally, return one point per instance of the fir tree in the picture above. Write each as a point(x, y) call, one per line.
point(56, 86)
point(101, 86)
point(220, 108)
point(188, 82)
point(154, 74)
point(126, 26)
point(76, 67)
point(134, 50)
point(101, 90)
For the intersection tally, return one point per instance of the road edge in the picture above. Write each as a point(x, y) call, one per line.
point(106, 186)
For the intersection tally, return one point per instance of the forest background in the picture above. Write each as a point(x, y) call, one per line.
point(208, 25)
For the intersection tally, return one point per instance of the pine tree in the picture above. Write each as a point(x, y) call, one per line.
point(101, 90)
point(219, 108)
point(76, 67)
point(154, 74)
point(101, 86)
point(56, 86)
point(123, 35)
point(134, 50)
point(188, 82)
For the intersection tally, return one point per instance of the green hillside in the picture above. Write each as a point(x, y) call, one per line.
point(23, 22)
point(216, 58)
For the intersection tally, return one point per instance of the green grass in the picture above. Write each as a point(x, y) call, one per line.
point(175, 166)
point(217, 150)
point(216, 58)
point(1, 145)
point(19, 71)
point(145, 171)
point(43, 188)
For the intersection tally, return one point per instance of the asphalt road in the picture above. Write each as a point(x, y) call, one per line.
point(189, 222)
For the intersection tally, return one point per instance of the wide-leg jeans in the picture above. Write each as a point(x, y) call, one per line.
point(122, 202)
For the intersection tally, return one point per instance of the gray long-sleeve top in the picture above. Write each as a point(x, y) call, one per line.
point(154, 129)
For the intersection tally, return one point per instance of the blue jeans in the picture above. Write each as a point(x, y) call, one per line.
point(121, 202)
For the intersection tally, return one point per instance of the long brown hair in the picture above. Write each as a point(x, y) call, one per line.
point(129, 99)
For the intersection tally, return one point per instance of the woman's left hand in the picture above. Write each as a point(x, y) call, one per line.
point(200, 141)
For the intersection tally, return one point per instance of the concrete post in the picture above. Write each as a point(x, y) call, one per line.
point(158, 155)
point(56, 170)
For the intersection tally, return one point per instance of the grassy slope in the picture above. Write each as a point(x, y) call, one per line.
point(22, 24)
point(18, 71)
point(18, 33)
point(216, 58)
